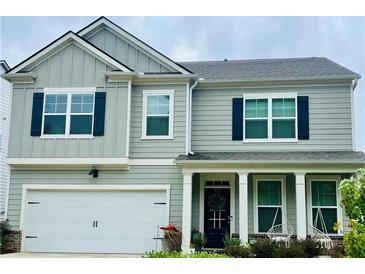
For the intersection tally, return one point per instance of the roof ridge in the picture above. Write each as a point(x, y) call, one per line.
point(254, 59)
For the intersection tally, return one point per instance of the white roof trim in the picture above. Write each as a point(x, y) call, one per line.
point(133, 39)
point(78, 40)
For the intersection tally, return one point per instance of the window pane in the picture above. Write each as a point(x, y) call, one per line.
point(289, 103)
point(251, 103)
point(50, 108)
point(158, 104)
point(61, 108)
point(76, 108)
point(81, 124)
point(50, 99)
point(269, 192)
point(277, 112)
point(76, 98)
point(54, 124)
point(157, 126)
point(164, 109)
point(256, 129)
point(61, 99)
point(266, 217)
point(88, 99)
point(324, 193)
point(329, 217)
point(250, 113)
point(277, 103)
point(283, 128)
point(164, 99)
point(283, 107)
point(87, 108)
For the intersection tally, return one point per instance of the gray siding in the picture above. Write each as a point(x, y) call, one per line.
point(329, 113)
point(158, 148)
point(125, 52)
point(71, 67)
point(171, 175)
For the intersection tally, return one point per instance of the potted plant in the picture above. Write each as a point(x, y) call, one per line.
point(198, 240)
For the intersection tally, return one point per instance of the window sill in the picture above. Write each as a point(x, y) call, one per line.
point(67, 137)
point(157, 138)
point(270, 141)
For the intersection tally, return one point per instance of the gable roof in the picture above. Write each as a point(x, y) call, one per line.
point(275, 69)
point(58, 43)
point(104, 21)
point(4, 65)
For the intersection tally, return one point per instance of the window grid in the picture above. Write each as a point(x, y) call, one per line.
point(68, 115)
point(217, 218)
point(270, 118)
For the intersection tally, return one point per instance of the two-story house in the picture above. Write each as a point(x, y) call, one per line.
point(110, 140)
point(4, 127)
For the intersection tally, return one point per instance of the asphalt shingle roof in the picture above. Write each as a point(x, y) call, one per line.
point(351, 157)
point(287, 68)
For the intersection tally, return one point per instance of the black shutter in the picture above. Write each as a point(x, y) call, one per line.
point(303, 117)
point(237, 119)
point(37, 111)
point(99, 115)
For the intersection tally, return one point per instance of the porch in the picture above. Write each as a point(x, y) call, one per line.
point(247, 199)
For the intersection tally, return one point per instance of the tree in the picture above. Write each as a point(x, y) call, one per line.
point(353, 201)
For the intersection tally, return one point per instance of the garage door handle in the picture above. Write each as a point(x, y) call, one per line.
point(93, 223)
point(96, 224)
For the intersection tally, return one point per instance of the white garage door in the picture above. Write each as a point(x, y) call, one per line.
point(94, 221)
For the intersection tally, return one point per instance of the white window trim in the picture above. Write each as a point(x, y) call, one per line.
point(69, 92)
point(334, 178)
point(147, 93)
point(282, 179)
point(269, 97)
point(232, 184)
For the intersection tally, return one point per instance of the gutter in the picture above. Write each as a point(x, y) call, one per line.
point(182, 162)
point(190, 115)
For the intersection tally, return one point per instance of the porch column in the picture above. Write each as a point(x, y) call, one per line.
point(186, 213)
point(300, 205)
point(243, 206)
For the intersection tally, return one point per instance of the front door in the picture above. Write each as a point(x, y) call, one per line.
point(216, 216)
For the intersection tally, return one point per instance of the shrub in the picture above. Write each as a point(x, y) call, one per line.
point(311, 248)
point(175, 254)
point(173, 239)
point(5, 231)
point(265, 248)
point(230, 241)
point(294, 250)
point(354, 241)
point(238, 251)
point(198, 239)
point(336, 252)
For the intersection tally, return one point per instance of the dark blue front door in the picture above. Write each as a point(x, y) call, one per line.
point(216, 216)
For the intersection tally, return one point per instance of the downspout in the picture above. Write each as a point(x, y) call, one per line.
point(353, 86)
point(190, 114)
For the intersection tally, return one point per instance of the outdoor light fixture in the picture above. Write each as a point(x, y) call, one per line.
point(94, 172)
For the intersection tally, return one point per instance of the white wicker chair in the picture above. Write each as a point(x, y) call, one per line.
point(280, 232)
point(321, 236)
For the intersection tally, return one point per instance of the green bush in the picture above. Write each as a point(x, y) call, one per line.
point(198, 239)
point(265, 248)
point(5, 231)
point(238, 251)
point(230, 241)
point(311, 248)
point(353, 201)
point(294, 250)
point(175, 254)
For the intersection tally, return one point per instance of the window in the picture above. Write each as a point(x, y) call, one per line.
point(324, 205)
point(158, 114)
point(269, 203)
point(68, 114)
point(270, 118)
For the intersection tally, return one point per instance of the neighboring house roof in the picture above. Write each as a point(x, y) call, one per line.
point(102, 20)
point(57, 44)
point(275, 69)
point(309, 157)
point(4, 65)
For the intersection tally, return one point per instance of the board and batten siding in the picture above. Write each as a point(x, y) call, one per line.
point(70, 67)
point(329, 119)
point(137, 175)
point(169, 148)
point(125, 52)
point(5, 88)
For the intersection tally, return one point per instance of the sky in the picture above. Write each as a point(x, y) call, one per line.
point(341, 39)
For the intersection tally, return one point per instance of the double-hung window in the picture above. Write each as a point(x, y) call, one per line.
point(324, 204)
point(269, 203)
point(270, 117)
point(158, 109)
point(68, 113)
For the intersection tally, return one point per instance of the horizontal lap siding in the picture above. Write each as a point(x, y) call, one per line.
point(144, 175)
point(125, 52)
point(158, 148)
point(329, 113)
point(71, 67)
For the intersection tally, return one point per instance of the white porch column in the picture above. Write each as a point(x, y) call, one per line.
point(300, 205)
point(186, 214)
point(243, 206)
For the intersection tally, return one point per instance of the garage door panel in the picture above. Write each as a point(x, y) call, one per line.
point(64, 221)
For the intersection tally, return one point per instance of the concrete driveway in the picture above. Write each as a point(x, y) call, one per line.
point(68, 255)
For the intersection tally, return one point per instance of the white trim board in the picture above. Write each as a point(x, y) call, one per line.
point(140, 187)
point(67, 161)
point(70, 36)
point(139, 44)
point(232, 184)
